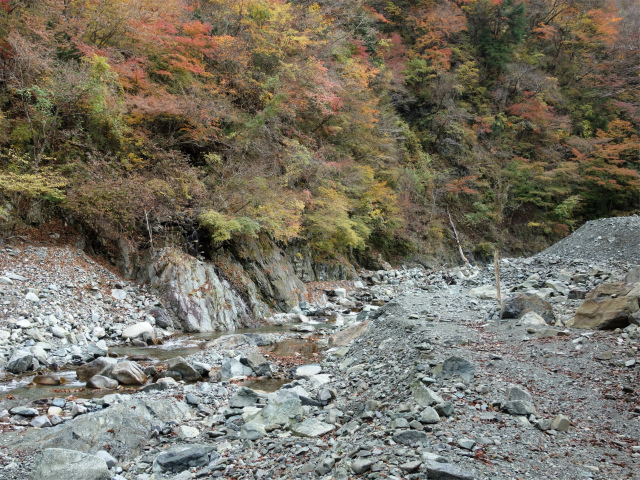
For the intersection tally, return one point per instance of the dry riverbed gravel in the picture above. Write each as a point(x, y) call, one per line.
point(436, 386)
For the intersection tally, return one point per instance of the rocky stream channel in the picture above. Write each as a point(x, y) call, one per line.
point(400, 373)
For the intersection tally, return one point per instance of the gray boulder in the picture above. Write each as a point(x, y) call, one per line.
point(20, 361)
point(516, 307)
point(182, 457)
point(128, 373)
point(101, 382)
point(188, 372)
point(424, 396)
point(411, 438)
point(125, 426)
point(284, 408)
point(458, 367)
point(519, 401)
point(445, 471)
point(245, 397)
point(233, 368)
point(100, 366)
point(311, 428)
point(58, 463)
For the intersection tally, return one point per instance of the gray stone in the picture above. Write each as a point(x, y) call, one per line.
point(561, 423)
point(20, 361)
point(361, 465)
point(516, 307)
point(186, 432)
point(466, 443)
point(40, 422)
point(311, 428)
point(283, 408)
point(306, 371)
point(445, 471)
point(400, 423)
point(24, 411)
point(429, 416)
point(106, 456)
point(128, 373)
point(233, 368)
point(532, 318)
point(252, 431)
point(141, 331)
point(102, 382)
point(424, 396)
point(100, 366)
point(182, 457)
point(633, 275)
point(188, 372)
point(32, 297)
point(163, 320)
point(411, 438)
point(444, 409)
point(58, 463)
point(458, 367)
point(519, 407)
point(245, 397)
point(325, 466)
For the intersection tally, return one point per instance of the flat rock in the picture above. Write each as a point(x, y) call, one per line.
point(102, 382)
point(182, 457)
point(411, 438)
point(311, 428)
point(58, 463)
point(306, 371)
point(445, 471)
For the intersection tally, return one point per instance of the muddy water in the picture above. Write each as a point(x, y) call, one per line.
point(21, 390)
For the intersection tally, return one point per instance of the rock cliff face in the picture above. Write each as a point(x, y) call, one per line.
point(200, 299)
point(239, 287)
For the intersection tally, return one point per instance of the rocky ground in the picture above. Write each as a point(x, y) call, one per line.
point(428, 380)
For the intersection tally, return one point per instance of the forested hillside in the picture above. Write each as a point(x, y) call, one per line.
point(344, 123)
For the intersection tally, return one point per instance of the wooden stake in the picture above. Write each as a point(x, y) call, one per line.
point(497, 267)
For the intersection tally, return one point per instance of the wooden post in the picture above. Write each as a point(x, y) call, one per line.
point(497, 267)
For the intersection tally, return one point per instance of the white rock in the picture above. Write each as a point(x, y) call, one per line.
point(5, 281)
point(138, 330)
point(186, 431)
point(532, 318)
point(486, 292)
point(24, 324)
point(305, 371)
point(118, 294)
point(15, 276)
point(58, 331)
point(32, 297)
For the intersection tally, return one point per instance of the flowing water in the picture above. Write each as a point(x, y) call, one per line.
point(21, 390)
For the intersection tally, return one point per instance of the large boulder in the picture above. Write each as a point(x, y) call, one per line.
point(188, 372)
point(125, 426)
point(100, 366)
point(128, 373)
point(284, 408)
point(233, 368)
point(517, 306)
point(140, 331)
point(20, 361)
point(608, 306)
point(58, 463)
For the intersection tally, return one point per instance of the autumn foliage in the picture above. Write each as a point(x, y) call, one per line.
point(346, 124)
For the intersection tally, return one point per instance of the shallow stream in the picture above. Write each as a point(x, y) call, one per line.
point(22, 391)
